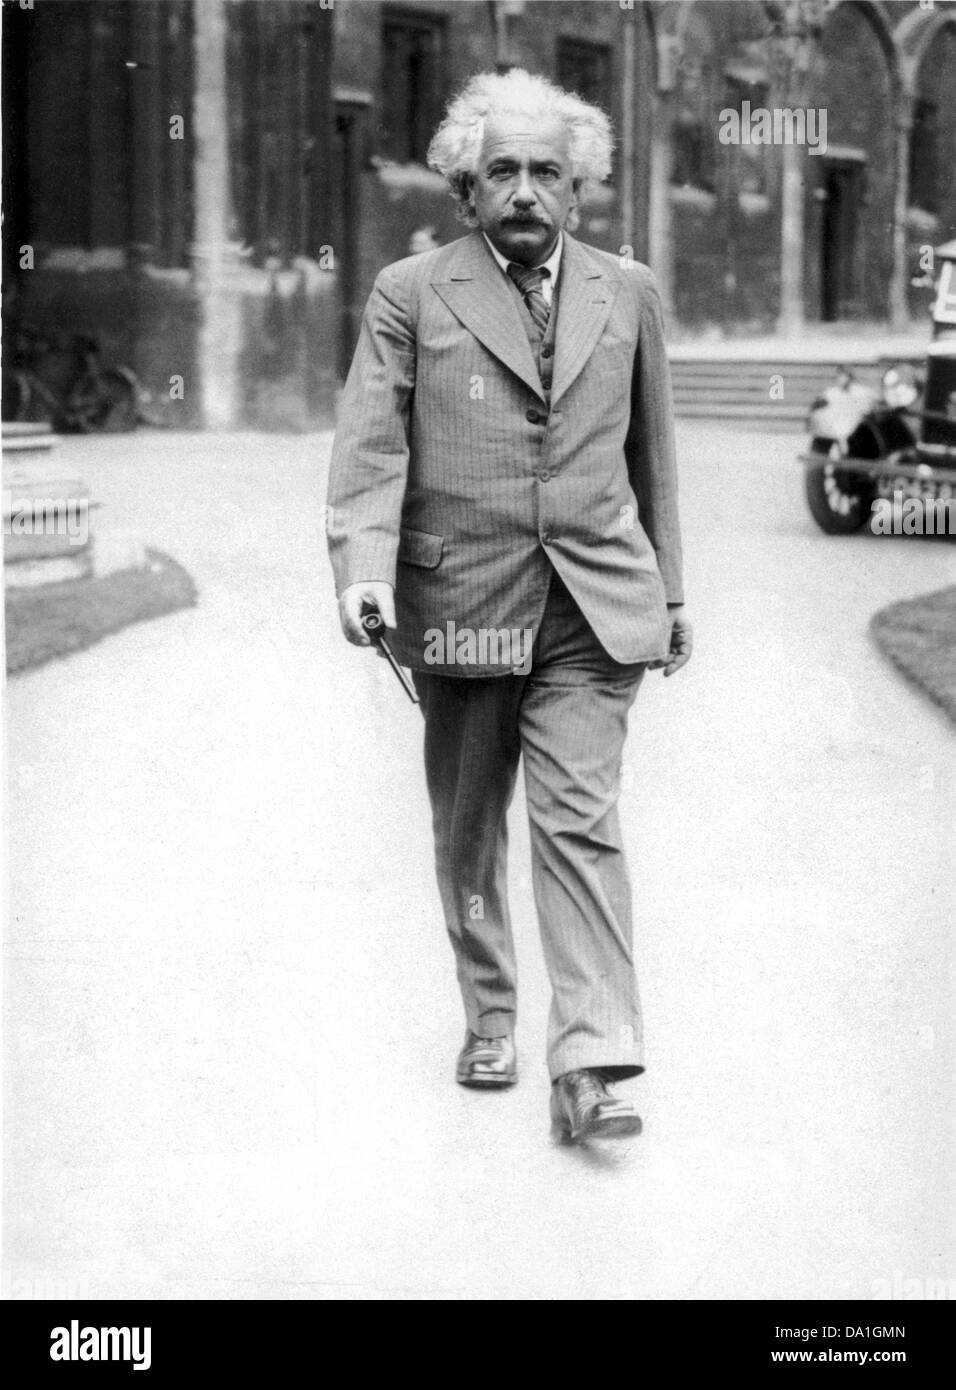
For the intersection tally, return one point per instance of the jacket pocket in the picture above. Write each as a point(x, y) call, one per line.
point(419, 548)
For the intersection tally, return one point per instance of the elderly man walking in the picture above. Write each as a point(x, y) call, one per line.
point(503, 490)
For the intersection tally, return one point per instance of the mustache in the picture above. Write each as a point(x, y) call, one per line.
point(517, 220)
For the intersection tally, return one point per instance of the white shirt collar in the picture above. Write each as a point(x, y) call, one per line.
point(550, 265)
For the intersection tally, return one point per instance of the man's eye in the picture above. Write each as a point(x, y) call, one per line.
point(500, 173)
point(549, 175)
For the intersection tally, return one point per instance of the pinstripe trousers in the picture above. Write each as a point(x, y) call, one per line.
point(567, 717)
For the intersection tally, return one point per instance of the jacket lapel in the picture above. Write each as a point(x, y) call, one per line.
point(585, 299)
point(475, 291)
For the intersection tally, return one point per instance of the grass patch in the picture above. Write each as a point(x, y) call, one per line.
point(54, 620)
point(919, 636)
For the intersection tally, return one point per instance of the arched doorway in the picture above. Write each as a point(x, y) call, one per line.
point(933, 139)
point(850, 211)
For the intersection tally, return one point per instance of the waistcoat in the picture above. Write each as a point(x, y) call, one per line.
point(542, 348)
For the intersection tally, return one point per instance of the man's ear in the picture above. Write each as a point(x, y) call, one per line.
point(574, 207)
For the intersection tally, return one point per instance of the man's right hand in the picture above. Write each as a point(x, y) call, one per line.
point(372, 591)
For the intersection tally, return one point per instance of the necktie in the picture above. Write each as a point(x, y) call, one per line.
point(529, 283)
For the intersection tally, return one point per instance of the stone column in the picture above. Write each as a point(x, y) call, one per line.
point(628, 99)
point(214, 261)
point(796, 27)
point(899, 303)
point(148, 132)
point(791, 318)
point(660, 231)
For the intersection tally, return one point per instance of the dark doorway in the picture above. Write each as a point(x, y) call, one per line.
point(841, 271)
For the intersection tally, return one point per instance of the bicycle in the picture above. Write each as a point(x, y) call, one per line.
point(76, 393)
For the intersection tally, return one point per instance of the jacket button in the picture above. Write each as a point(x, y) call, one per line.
point(544, 476)
point(534, 417)
point(547, 352)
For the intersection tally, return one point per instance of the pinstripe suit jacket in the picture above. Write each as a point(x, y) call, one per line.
point(455, 479)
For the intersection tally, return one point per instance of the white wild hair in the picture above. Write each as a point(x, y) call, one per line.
point(456, 145)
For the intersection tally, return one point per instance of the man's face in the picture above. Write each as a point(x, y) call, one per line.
point(522, 190)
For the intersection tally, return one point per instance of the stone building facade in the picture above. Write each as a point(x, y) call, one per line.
point(733, 252)
point(210, 186)
point(167, 185)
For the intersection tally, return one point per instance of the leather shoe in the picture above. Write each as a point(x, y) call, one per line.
point(487, 1062)
point(582, 1107)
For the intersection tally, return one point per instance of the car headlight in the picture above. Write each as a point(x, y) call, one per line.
point(901, 386)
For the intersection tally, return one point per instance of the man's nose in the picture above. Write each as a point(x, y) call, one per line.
point(524, 194)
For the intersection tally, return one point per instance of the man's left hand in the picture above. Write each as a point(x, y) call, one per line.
point(682, 642)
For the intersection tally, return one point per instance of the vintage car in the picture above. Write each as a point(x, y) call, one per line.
point(895, 444)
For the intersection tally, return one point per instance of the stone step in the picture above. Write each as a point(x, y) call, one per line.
point(746, 390)
point(15, 429)
point(50, 569)
point(727, 389)
point(807, 382)
point(27, 491)
point(23, 437)
point(808, 370)
point(716, 410)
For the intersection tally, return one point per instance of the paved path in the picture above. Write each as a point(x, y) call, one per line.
point(231, 1004)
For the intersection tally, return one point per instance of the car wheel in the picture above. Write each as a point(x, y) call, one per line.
point(840, 501)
